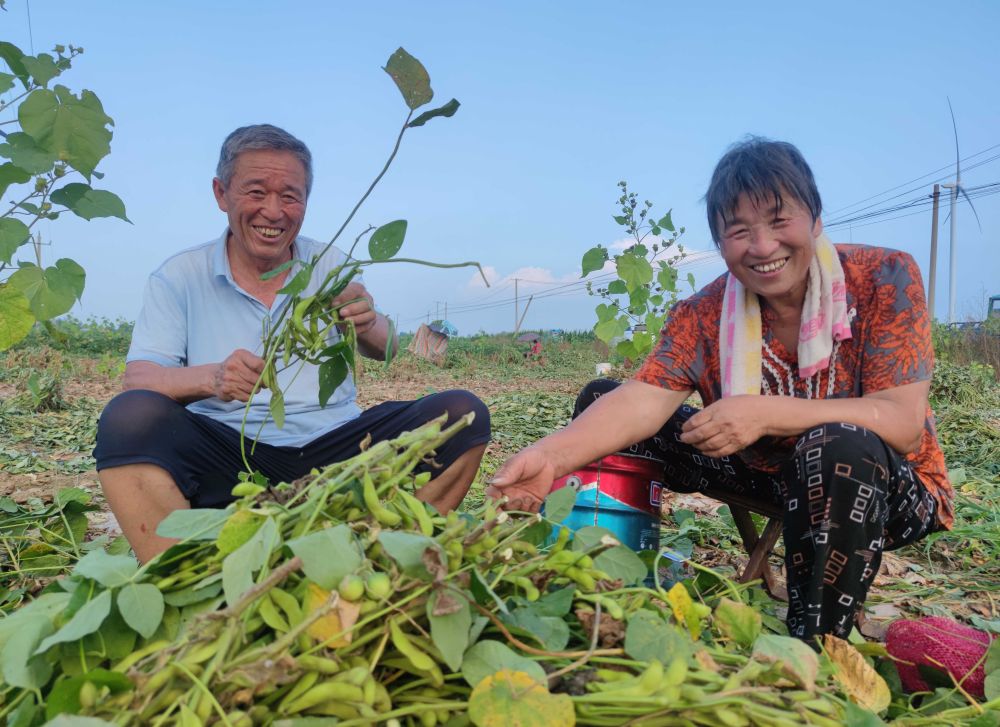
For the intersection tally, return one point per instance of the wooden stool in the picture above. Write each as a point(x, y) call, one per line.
point(758, 545)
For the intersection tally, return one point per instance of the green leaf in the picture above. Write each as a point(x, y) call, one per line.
point(617, 287)
point(14, 58)
point(89, 203)
point(411, 78)
point(621, 219)
point(386, 240)
point(737, 621)
point(991, 686)
point(52, 291)
point(85, 621)
point(238, 567)
point(13, 234)
point(690, 279)
point(72, 128)
point(648, 636)
point(42, 68)
point(21, 667)
point(609, 330)
point(447, 110)
point(667, 278)
point(16, 319)
point(22, 150)
point(559, 504)
point(635, 271)
point(551, 632)
point(794, 658)
point(298, 282)
point(277, 408)
point(992, 662)
point(622, 563)
point(141, 605)
point(328, 555)
point(197, 524)
point(280, 269)
point(44, 608)
point(666, 222)
point(110, 571)
point(332, 373)
point(593, 260)
point(555, 603)
point(6, 82)
point(855, 716)
point(590, 536)
point(484, 595)
point(450, 619)
point(488, 657)
point(65, 695)
point(408, 550)
point(606, 312)
point(76, 720)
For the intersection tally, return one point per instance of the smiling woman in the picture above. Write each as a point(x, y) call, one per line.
point(813, 362)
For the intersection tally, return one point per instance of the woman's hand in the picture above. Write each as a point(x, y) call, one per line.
point(727, 426)
point(525, 480)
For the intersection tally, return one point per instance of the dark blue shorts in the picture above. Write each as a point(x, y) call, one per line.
point(203, 455)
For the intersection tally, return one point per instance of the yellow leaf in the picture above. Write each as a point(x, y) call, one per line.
point(687, 612)
point(342, 616)
point(237, 530)
point(514, 699)
point(857, 677)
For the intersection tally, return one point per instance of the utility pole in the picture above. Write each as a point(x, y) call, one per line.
point(933, 271)
point(516, 318)
point(951, 252)
point(446, 310)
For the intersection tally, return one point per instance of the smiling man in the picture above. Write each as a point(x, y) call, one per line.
point(171, 440)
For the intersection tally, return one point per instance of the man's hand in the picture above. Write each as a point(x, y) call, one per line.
point(235, 377)
point(525, 479)
point(727, 426)
point(360, 312)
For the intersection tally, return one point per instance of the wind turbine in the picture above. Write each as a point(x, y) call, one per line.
point(955, 188)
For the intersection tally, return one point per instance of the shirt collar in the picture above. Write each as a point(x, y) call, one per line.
point(220, 261)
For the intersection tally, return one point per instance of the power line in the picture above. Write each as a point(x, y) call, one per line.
point(917, 179)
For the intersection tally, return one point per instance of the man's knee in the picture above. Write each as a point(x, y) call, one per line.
point(135, 415)
point(457, 403)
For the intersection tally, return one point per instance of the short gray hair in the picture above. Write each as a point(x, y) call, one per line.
point(261, 137)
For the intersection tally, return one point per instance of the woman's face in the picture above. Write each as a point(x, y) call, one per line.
point(769, 247)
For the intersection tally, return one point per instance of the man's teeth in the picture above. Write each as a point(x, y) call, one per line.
point(268, 231)
point(770, 267)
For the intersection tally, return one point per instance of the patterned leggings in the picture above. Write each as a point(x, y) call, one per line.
point(847, 496)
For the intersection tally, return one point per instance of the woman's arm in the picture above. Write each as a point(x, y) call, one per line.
point(630, 413)
point(729, 425)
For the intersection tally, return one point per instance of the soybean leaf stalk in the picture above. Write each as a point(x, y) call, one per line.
point(308, 328)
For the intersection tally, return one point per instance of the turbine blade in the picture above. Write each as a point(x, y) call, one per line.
point(962, 190)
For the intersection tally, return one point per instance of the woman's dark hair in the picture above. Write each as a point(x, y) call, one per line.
point(764, 170)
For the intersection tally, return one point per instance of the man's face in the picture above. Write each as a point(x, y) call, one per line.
point(265, 201)
point(769, 247)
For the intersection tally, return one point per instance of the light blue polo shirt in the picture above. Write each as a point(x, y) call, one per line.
point(193, 313)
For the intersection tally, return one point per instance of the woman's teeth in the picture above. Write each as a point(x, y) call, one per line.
point(770, 267)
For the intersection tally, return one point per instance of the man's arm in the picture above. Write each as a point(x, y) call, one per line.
point(632, 412)
point(896, 415)
point(231, 380)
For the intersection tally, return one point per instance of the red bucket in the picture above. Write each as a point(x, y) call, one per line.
point(621, 493)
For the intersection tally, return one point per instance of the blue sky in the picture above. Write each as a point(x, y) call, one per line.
point(559, 101)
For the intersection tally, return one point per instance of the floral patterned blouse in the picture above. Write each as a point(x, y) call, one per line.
point(890, 346)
